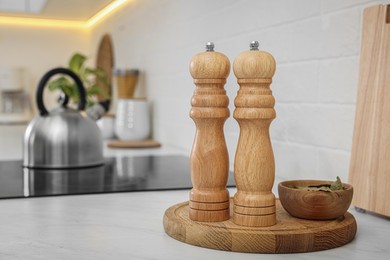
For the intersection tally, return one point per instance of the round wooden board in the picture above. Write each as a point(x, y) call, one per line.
point(289, 235)
point(134, 144)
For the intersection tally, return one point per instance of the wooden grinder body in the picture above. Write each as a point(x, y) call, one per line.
point(254, 165)
point(209, 161)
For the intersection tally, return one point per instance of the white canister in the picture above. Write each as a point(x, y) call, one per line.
point(132, 120)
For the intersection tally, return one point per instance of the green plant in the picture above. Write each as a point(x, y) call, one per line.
point(92, 79)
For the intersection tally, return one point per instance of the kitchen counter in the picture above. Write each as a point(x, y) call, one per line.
point(129, 225)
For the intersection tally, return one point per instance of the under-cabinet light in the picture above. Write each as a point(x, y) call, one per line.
point(104, 12)
point(24, 21)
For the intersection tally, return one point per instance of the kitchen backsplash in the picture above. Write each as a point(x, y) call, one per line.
point(316, 44)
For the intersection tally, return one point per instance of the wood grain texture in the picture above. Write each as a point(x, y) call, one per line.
point(370, 157)
point(254, 165)
point(105, 62)
point(289, 235)
point(209, 161)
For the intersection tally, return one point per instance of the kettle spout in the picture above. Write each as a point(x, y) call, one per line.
point(98, 110)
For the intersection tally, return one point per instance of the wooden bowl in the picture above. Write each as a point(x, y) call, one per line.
point(316, 205)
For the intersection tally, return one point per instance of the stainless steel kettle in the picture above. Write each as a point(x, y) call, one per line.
point(63, 137)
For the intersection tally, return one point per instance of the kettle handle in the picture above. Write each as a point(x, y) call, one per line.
point(39, 96)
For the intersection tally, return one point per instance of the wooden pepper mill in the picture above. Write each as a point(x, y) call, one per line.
point(254, 165)
point(209, 161)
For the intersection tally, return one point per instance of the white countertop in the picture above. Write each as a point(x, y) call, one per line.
point(129, 225)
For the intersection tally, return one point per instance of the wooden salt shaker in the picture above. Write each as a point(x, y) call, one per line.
point(254, 165)
point(209, 161)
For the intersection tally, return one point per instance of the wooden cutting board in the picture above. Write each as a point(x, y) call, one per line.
point(370, 155)
point(105, 62)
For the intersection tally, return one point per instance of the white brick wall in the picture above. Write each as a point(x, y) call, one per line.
point(316, 45)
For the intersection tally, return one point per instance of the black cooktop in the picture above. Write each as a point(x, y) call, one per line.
point(118, 174)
